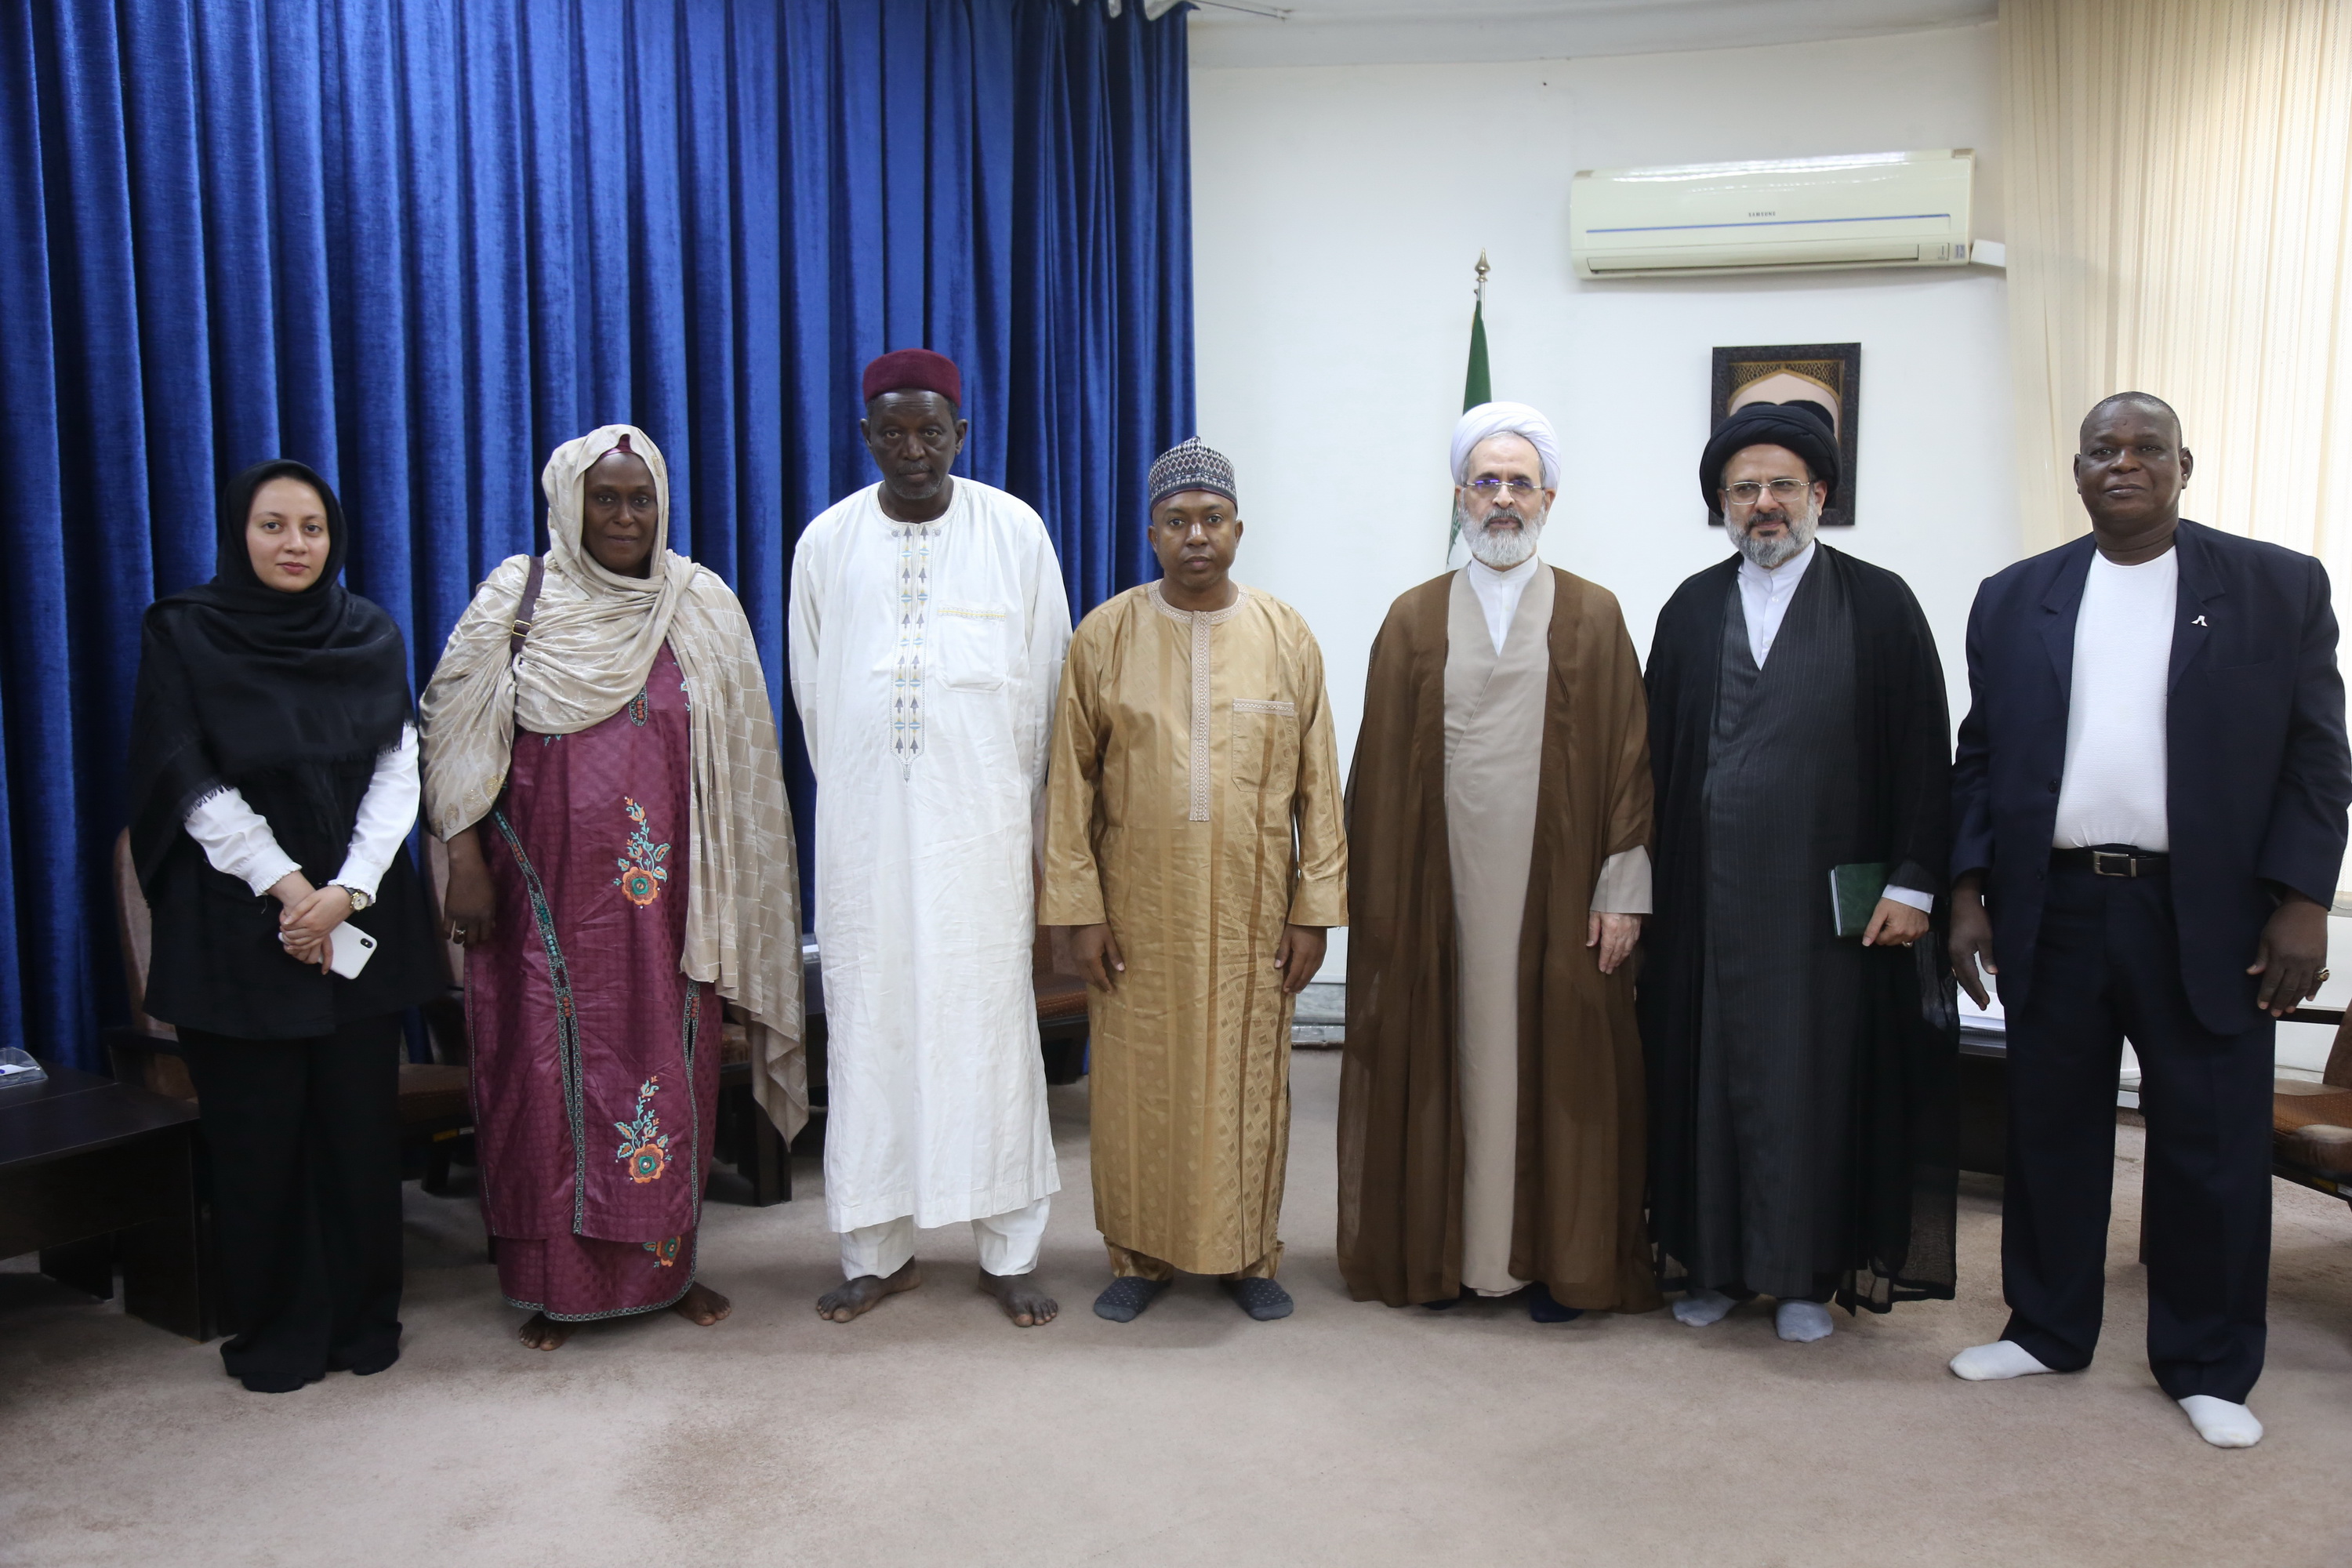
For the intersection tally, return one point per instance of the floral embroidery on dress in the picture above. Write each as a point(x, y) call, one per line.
point(642, 872)
point(665, 1250)
point(638, 708)
point(645, 1147)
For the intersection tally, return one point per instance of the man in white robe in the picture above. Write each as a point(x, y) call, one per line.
point(928, 622)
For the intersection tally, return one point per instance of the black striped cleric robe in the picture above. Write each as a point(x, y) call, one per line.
point(1800, 1086)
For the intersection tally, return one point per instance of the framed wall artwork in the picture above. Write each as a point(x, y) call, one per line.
point(1826, 374)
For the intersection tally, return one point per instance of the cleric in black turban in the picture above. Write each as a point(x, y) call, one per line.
point(1802, 427)
point(1800, 1045)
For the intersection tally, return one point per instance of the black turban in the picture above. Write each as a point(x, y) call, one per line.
point(1801, 425)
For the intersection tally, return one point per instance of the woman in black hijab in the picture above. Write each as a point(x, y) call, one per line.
point(273, 783)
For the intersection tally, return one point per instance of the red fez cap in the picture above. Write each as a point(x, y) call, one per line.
point(914, 370)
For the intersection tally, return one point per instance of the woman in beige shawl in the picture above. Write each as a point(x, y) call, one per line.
point(601, 763)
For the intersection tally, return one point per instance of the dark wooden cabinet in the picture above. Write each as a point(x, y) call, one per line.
point(97, 1175)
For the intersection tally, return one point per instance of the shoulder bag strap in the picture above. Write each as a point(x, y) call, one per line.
point(525, 607)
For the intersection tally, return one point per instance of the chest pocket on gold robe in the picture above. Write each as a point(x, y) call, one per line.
point(972, 646)
point(1266, 749)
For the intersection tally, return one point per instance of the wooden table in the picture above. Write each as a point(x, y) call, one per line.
point(95, 1173)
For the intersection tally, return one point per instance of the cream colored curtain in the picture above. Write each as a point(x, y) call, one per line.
point(2180, 222)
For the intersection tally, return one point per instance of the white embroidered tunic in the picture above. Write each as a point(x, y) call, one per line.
point(925, 659)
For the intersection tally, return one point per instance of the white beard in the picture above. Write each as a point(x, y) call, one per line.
point(1771, 552)
point(1506, 549)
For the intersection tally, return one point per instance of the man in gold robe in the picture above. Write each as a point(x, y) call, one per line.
point(1193, 841)
point(1491, 1105)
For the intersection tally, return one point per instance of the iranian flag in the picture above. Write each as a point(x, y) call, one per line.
point(1477, 387)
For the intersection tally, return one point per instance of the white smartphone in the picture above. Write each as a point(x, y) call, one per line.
point(352, 949)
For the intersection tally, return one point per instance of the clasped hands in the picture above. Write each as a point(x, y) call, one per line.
point(308, 918)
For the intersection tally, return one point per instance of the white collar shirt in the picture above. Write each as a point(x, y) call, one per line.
point(1499, 593)
point(1764, 597)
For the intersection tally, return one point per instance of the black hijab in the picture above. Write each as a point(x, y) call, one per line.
point(238, 680)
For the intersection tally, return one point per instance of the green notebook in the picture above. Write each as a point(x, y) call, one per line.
point(1853, 894)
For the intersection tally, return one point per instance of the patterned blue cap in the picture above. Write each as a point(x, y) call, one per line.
point(1190, 466)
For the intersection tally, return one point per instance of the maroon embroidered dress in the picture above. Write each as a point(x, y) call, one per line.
point(594, 1086)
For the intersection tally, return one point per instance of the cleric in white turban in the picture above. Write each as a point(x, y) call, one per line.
point(1482, 424)
point(1483, 953)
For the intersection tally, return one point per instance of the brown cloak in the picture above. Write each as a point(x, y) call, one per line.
point(1577, 1224)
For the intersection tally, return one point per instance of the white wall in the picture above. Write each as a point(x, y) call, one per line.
point(1338, 212)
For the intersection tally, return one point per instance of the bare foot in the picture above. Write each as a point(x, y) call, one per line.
point(702, 1305)
point(1027, 1306)
point(856, 1298)
point(544, 1333)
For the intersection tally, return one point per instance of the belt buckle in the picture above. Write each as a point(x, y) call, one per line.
point(2113, 863)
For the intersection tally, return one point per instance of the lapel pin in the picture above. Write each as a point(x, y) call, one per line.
point(2200, 621)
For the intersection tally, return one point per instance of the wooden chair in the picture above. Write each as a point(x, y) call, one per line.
point(2311, 1123)
point(146, 1052)
point(747, 1139)
point(436, 1098)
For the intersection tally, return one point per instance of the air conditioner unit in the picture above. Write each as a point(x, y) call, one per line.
point(1779, 214)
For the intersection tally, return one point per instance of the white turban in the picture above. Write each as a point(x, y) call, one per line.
point(1506, 419)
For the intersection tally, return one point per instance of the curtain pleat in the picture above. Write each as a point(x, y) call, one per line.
point(417, 243)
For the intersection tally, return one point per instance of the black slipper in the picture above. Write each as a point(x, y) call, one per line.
point(1261, 1299)
point(1544, 1309)
point(1124, 1299)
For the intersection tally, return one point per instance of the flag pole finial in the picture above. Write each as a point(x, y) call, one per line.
point(1482, 276)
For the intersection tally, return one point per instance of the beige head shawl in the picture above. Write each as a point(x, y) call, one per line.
point(593, 639)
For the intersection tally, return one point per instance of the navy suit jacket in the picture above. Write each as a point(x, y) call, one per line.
point(2258, 778)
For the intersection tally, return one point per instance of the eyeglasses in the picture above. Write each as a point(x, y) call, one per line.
point(1487, 490)
point(1746, 493)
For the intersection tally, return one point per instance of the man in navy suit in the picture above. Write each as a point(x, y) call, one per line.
point(2148, 806)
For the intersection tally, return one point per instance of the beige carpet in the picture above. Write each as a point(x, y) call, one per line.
point(932, 1432)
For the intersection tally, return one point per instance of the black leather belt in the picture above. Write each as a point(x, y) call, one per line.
point(2112, 860)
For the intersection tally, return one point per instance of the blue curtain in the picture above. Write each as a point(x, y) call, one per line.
point(417, 243)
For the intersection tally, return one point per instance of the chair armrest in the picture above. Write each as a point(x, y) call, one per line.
point(149, 1060)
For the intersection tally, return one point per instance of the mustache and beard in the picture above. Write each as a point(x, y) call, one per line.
point(1804, 520)
point(1503, 549)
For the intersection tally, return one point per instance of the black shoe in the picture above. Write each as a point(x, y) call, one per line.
point(1261, 1299)
point(365, 1363)
point(1467, 1295)
point(1124, 1299)
point(1543, 1308)
point(277, 1382)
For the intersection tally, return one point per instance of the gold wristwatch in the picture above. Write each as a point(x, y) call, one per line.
point(360, 900)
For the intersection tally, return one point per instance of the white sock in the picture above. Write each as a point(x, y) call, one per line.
point(1802, 1322)
point(1700, 1308)
point(1990, 1364)
point(2222, 1424)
